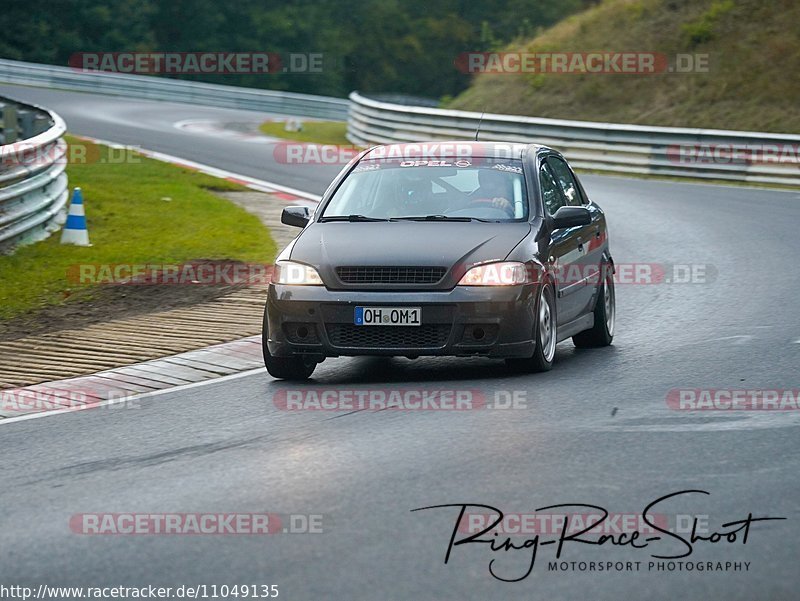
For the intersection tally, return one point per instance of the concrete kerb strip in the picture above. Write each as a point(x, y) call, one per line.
point(126, 384)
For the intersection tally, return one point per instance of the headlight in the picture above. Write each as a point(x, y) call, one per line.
point(297, 274)
point(508, 273)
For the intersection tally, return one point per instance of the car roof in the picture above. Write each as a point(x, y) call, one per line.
point(452, 148)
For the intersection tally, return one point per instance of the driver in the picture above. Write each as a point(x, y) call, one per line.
point(493, 188)
point(413, 198)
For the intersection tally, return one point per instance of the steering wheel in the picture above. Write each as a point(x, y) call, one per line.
point(476, 202)
point(481, 201)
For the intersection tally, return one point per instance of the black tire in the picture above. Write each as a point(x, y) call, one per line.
point(295, 367)
point(601, 333)
point(544, 351)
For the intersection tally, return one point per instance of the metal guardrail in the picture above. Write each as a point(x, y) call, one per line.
point(605, 147)
point(33, 184)
point(163, 88)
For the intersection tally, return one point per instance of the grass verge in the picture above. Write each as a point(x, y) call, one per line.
point(315, 132)
point(138, 210)
point(748, 81)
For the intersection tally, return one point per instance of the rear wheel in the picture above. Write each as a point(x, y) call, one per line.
point(546, 336)
point(294, 367)
point(605, 311)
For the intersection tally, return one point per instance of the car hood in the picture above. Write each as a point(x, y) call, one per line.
point(453, 245)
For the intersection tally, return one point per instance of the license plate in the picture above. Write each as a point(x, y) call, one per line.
point(388, 316)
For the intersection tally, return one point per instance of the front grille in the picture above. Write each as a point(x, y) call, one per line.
point(390, 275)
point(424, 336)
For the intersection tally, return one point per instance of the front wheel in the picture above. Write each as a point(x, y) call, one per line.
point(546, 336)
point(293, 367)
point(296, 367)
point(605, 312)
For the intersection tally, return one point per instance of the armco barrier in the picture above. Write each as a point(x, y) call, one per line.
point(607, 147)
point(753, 157)
point(33, 184)
point(163, 88)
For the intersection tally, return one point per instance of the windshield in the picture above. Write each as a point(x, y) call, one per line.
point(458, 189)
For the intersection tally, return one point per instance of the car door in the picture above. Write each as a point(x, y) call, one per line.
point(597, 238)
point(563, 247)
point(583, 278)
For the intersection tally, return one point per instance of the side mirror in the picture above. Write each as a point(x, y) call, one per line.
point(571, 217)
point(296, 216)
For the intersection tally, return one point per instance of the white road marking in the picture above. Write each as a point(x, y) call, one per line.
point(649, 420)
point(734, 422)
point(251, 182)
point(135, 397)
point(739, 338)
point(211, 127)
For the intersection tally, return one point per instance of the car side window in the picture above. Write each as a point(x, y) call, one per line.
point(551, 193)
point(566, 180)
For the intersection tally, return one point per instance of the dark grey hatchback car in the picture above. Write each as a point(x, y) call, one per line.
point(459, 248)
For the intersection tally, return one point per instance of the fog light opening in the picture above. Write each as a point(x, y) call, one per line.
point(302, 332)
point(478, 333)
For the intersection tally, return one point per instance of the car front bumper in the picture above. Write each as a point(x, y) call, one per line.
point(492, 321)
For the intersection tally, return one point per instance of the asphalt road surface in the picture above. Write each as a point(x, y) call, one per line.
point(595, 430)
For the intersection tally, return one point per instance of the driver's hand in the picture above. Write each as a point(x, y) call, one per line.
point(503, 203)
